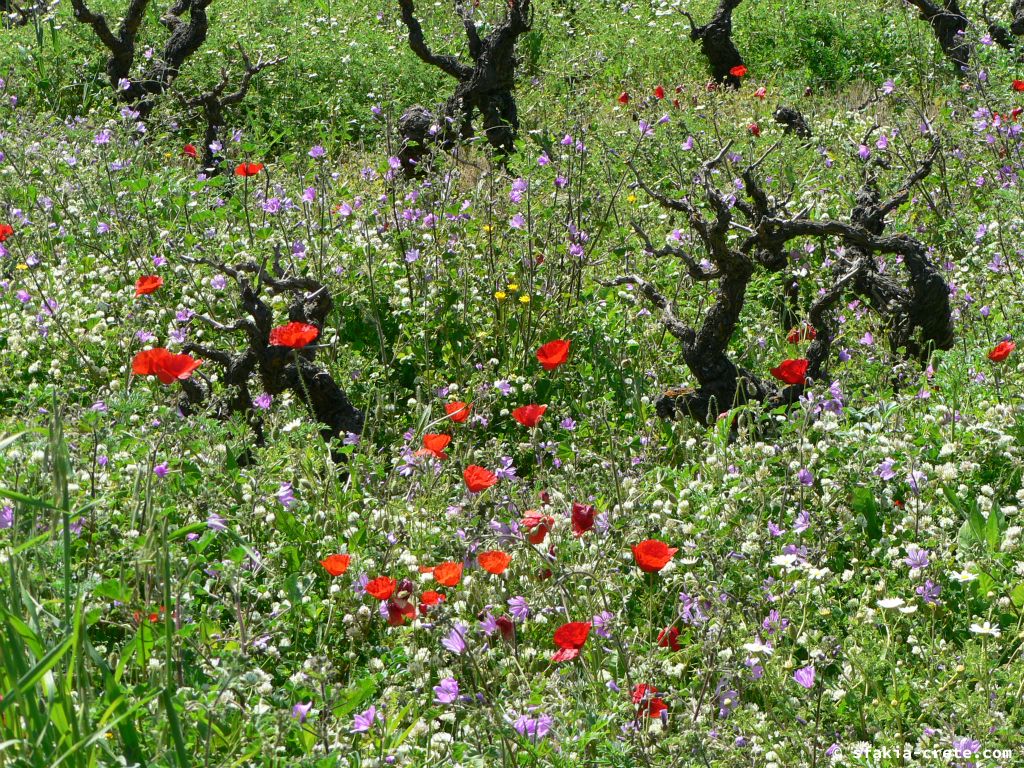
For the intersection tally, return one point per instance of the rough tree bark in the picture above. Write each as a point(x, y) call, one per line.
point(13, 14)
point(918, 314)
point(213, 104)
point(1001, 35)
point(279, 369)
point(484, 87)
point(184, 40)
point(792, 121)
point(716, 43)
point(949, 24)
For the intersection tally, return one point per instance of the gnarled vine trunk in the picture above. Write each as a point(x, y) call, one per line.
point(484, 87)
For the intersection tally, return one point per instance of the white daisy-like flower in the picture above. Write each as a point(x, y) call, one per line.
point(985, 629)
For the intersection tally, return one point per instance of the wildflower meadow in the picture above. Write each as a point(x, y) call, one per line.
point(511, 383)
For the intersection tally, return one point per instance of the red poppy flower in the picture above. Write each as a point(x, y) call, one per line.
point(458, 411)
point(537, 526)
point(659, 92)
point(382, 587)
point(796, 335)
point(6, 230)
point(336, 564)
point(248, 169)
point(570, 639)
point(739, 70)
point(793, 371)
point(641, 691)
point(656, 707)
point(478, 479)
point(1001, 351)
point(529, 415)
point(1018, 85)
point(293, 335)
point(669, 638)
point(582, 518)
point(1015, 113)
point(164, 365)
point(623, 98)
point(652, 555)
point(755, 129)
point(448, 574)
point(430, 597)
point(553, 354)
point(761, 93)
point(189, 150)
point(435, 444)
point(494, 561)
point(146, 284)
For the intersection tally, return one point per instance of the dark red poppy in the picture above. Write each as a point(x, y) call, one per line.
point(796, 335)
point(448, 574)
point(458, 411)
point(494, 561)
point(146, 284)
point(537, 526)
point(659, 92)
point(163, 364)
point(435, 444)
point(570, 639)
point(6, 230)
point(1001, 351)
point(582, 518)
point(248, 169)
point(336, 564)
point(739, 70)
point(293, 335)
point(755, 129)
point(478, 479)
point(399, 612)
point(529, 415)
point(553, 354)
point(189, 150)
point(652, 555)
point(793, 371)
point(669, 638)
point(506, 627)
point(624, 98)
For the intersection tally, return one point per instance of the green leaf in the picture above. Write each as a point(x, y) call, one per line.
point(994, 527)
point(864, 504)
point(1017, 595)
point(112, 589)
point(355, 696)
